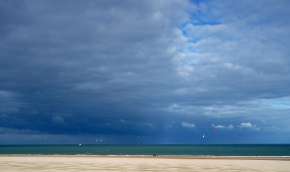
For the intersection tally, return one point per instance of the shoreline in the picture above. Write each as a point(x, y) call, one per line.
point(278, 158)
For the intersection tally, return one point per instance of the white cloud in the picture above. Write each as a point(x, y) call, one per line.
point(187, 125)
point(248, 125)
point(218, 126)
point(242, 125)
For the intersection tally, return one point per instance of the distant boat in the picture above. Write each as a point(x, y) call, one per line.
point(80, 144)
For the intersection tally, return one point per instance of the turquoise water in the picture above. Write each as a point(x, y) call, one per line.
point(194, 150)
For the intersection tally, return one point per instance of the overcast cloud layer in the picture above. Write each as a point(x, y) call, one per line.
point(147, 71)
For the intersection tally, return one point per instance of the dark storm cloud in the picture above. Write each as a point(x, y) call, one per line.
point(139, 69)
point(79, 67)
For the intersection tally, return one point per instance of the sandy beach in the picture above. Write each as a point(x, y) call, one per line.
point(97, 163)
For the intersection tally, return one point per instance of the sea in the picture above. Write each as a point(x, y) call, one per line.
point(148, 150)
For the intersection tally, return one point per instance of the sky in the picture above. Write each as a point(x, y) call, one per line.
point(144, 72)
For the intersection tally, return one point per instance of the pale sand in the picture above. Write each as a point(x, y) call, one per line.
point(94, 163)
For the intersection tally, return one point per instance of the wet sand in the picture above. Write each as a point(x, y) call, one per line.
point(20, 163)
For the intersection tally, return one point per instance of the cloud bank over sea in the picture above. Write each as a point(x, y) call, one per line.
point(144, 71)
